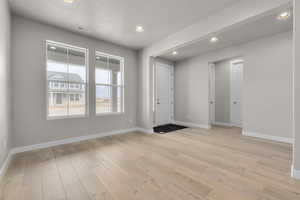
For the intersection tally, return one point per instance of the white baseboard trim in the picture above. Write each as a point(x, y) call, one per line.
point(188, 124)
point(16, 150)
point(269, 137)
point(5, 165)
point(295, 173)
point(222, 124)
point(70, 140)
point(143, 130)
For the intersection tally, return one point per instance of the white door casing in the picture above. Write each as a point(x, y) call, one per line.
point(164, 102)
point(236, 92)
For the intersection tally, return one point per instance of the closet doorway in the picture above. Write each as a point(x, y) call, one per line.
point(226, 89)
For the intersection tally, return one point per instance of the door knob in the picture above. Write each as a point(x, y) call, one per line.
point(234, 102)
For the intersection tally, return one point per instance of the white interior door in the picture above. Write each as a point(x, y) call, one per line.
point(164, 100)
point(212, 92)
point(236, 93)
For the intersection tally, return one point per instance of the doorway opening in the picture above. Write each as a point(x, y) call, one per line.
point(226, 92)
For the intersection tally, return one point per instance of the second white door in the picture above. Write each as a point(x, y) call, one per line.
point(212, 94)
point(236, 93)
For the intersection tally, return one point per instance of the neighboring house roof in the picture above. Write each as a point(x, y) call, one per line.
point(63, 77)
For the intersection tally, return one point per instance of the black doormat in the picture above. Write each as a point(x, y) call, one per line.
point(167, 128)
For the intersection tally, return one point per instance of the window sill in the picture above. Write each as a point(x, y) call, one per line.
point(84, 116)
point(67, 117)
point(108, 114)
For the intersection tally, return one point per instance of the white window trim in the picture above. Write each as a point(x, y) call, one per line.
point(86, 114)
point(122, 64)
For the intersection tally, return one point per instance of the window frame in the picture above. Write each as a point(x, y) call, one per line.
point(87, 84)
point(122, 65)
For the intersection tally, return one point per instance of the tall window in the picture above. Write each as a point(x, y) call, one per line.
point(67, 80)
point(109, 84)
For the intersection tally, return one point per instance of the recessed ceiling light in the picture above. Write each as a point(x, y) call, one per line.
point(284, 15)
point(53, 48)
point(214, 39)
point(174, 53)
point(139, 29)
point(69, 1)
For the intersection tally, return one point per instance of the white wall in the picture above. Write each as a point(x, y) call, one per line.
point(5, 86)
point(191, 91)
point(30, 125)
point(165, 61)
point(222, 91)
point(267, 107)
point(296, 92)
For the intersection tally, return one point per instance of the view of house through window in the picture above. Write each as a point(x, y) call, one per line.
point(67, 80)
point(109, 83)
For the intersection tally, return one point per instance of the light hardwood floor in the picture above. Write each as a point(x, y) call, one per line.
point(185, 165)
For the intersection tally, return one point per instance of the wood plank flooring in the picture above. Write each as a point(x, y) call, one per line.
point(190, 164)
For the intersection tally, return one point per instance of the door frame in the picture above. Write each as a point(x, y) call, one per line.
point(234, 59)
point(232, 63)
point(212, 95)
point(171, 67)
